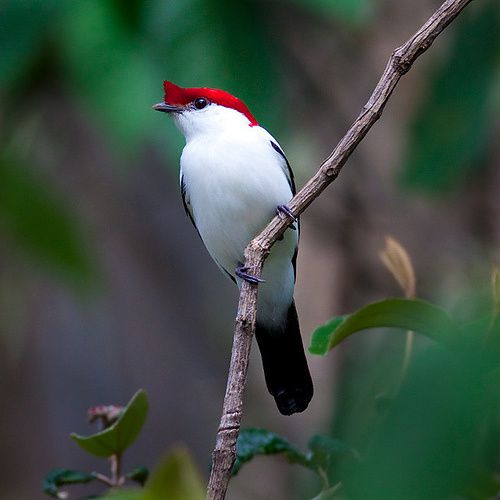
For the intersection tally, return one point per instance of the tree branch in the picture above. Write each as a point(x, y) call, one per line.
point(256, 252)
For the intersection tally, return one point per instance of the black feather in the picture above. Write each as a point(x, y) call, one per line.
point(291, 180)
point(285, 365)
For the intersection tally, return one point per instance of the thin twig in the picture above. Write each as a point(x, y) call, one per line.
point(116, 472)
point(256, 252)
point(104, 479)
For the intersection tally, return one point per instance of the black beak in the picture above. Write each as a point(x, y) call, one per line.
point(167, 108)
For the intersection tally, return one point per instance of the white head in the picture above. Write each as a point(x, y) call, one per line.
point(203, 110)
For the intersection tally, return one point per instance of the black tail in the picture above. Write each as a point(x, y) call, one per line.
point(285, 365)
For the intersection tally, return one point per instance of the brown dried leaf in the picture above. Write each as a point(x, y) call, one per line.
point(398, 262)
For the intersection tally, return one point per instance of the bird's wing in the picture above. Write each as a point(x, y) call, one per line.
point(189, 213)
point(287, 169)
point(185, 202)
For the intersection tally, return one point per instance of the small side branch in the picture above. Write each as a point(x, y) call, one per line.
point(399, 64)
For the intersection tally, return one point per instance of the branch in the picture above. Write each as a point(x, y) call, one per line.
point(257, 251)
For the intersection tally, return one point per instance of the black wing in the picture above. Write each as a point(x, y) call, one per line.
point(291, 182)
point(290, 178)
point(185, 202)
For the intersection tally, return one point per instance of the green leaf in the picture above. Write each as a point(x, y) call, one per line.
point(139, 475)
point(453, 126)
point(59, 477)
point(324, 449)
point(252, 442)
point(41, 224)
point(118, 437)
point(321, 336)
point(408, 314)
point(177, 478)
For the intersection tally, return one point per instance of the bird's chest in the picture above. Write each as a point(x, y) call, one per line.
point(233, 191)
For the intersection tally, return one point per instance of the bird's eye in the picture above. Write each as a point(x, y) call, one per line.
point(200, 103)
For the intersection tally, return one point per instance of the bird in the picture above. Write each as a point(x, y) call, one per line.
point(234, 178)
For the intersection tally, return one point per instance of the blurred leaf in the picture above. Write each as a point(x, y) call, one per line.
point(325, 449)
point(432, 441)
point(59, 477)
point(252, 442)
point(351, 11)
point(451, 128)
point(118, 437)
point(139, 475)
point(40, 223)
point(23, 26)
point(475, 329)
point(107, 66)
point(131, 13)
point(398, 262)
point(408, 314)
point(177, 478)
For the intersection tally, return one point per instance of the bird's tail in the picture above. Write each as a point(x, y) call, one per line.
point(285, 365)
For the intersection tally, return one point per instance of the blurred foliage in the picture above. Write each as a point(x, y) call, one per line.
point(176, 477)
point(434, 434)
point(438, 438)
point(40, 223)
point(453, 127)
point(350, 11)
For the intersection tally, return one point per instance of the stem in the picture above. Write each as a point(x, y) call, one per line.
point(407, 355)
point(104, 479)
point(116, 463)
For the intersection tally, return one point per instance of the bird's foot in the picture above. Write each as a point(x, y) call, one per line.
point(283, 211)
point(242, 272)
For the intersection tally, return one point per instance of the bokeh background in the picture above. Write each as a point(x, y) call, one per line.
point(105, 286)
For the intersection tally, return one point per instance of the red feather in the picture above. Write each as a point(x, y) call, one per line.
point(180, 95)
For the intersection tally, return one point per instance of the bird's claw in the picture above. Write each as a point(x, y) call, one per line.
point(284, 211)
point(242, 272)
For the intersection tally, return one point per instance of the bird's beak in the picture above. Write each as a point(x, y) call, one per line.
point(166, 108)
